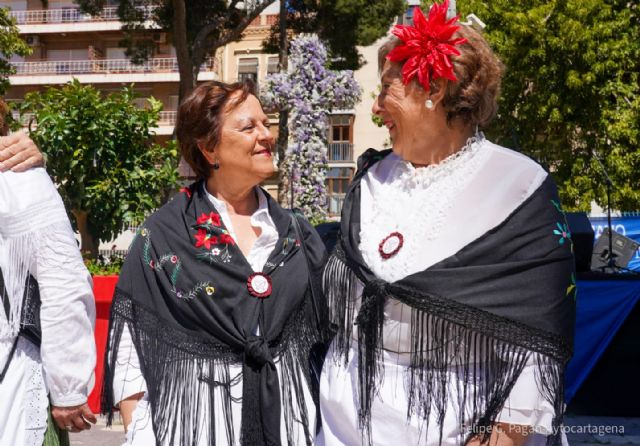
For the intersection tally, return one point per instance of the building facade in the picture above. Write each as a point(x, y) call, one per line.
point(68, 44)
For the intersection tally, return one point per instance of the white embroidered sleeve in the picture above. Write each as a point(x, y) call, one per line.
point(67, 316)
point(67, 313)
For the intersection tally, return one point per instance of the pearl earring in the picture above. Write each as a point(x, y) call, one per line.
point(429, 104)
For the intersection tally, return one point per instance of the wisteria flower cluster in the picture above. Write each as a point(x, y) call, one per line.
point(310, 91)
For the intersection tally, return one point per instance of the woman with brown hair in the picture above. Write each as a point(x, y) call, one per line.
point(214, 316)
point(452, 283)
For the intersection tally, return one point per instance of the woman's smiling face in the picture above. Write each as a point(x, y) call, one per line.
point(245, 140)
point(401, 108)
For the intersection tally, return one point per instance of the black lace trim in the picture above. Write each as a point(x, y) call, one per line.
point(481, 321)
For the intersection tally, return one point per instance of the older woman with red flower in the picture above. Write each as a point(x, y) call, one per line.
point(451, 293)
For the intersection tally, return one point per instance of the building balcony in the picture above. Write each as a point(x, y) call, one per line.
point(165, 126)
point(340, 152)
point(43, 21)
point(166, 122)
point(335, 203)
point(103, 71)
point(168, 118)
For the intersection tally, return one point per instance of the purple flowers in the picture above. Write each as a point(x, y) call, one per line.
point(309, 91)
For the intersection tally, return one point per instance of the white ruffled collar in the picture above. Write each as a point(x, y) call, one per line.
point(408, 177)
point(414, 202)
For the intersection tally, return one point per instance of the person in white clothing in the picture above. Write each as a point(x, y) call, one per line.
point(452, 282)
point(50, 367)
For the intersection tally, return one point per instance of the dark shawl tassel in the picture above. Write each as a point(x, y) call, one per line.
point(370, 321)
point(340, 284)
point(550, 379)
point(295, 376)
point(179, 371)
point(177, 379)
point(260, 425)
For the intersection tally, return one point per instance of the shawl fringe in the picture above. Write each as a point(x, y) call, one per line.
point(21, 290)
point(456, 347)
point(19, 250)
point(182, 370)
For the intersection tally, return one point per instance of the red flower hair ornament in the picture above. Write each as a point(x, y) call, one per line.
point(428, 46)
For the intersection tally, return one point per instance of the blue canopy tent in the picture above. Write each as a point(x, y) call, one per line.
point(602, 307)
point(603, 304)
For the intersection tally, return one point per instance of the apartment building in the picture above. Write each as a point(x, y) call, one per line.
point(68, 44)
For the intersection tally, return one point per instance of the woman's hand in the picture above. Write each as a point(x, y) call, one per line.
point(504, 434)
point(73, 419)
point(19, 153)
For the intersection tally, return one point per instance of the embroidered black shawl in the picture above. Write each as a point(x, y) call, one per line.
point(183, 293)
point(481, 312)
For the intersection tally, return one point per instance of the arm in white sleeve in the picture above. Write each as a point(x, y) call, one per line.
point(127, 379)
point(67, 314)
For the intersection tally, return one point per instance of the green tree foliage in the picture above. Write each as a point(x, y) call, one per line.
point(10, 44)
point(102, 156)
point(342, 25)
point(197, 28)
point(572, 85)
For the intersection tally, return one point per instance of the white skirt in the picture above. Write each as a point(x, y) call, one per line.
point(23, 398)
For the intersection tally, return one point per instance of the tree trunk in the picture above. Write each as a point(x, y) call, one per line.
point(283, 120)
point(185, 64)
point(88, 244)
point(281, 147)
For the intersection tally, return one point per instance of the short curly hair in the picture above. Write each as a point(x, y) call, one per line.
point(199, 120)
point(473, 99)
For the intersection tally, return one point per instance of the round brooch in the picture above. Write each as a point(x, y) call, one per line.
point(259, 285)
point(390, 245)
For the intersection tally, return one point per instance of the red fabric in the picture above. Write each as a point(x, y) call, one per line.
point(103, 289)
point(427, 46)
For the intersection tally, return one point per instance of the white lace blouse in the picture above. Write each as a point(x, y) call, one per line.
point(438, 209)
point(35, 231)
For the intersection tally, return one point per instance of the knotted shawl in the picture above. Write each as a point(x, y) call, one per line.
point(183, 293)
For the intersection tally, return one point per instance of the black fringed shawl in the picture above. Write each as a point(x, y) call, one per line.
point(481, 313)
point(183, 295)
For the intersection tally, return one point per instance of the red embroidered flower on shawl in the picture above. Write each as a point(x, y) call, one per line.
point(226, 238)
point(428, 46)
point(211, 219)
point(187, 191)
point(203, 238)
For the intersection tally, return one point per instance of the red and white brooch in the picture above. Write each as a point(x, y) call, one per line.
point(259, 285)
point(390, 245)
